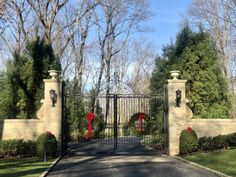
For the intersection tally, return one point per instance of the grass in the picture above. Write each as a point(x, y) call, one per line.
point(222, 161)
point(27, 167)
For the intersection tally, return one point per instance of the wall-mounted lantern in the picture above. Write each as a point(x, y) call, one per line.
point(178, 98)
point(53, 97)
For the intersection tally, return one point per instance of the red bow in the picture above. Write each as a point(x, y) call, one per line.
point(141, 117)
point(89, 117)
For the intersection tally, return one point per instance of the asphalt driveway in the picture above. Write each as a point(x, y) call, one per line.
point(124, 166)
point(132, 160)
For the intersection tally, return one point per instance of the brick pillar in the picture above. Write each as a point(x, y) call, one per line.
point(176, 120)
point(52, 115)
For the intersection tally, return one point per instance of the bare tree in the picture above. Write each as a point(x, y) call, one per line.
point(143, 56)
point(120, 66)
point(214, 16)
point(65, 25)
point(53, 24)
point(16, 25)
point(2, 7)
point(86, 11)
point(117, 21)
point(47, 11)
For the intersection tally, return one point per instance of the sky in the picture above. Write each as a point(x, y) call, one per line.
point(166, 20)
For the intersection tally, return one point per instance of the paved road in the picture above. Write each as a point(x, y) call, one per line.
point(130, 144)
point(124, 166)
point(140, 162)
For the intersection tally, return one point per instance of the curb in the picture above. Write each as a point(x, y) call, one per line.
point(151, 148)
point(44, 174)
point(201, 167)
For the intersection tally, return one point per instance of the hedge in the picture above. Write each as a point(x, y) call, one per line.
point(17, 147)
point(189, 142)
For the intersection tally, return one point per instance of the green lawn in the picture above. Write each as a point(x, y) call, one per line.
point(26, 167)
point(223, 161)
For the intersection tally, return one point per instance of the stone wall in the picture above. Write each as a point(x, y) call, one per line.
point(21, 129)
point(49, 117)
point(212, 127)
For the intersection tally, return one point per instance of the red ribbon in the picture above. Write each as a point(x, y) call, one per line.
point(141, 117)
point(89, 117)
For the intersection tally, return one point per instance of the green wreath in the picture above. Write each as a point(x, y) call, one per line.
point(133, 125)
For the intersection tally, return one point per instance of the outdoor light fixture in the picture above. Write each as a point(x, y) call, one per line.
point(53, 97)
point(178, 98)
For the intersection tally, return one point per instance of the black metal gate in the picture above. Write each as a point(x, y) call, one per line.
point(114, 123)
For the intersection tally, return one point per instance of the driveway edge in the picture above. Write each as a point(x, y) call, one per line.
point(44, 174)
point(201, 167)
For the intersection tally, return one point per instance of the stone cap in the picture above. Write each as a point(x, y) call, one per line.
point(176, 81)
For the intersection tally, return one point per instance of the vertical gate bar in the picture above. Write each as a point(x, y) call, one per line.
point(164, 117)
point(63, 138)
point(115, 122)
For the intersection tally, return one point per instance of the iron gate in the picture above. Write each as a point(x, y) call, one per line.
point(114, 123)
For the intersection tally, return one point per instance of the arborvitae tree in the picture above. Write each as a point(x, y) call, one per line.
point(195, 55)
point(5, 102)
point(42, 56)
point(183, 40)
point(169, 60)
point(25, 74)
point(19, 74)
point(206, 87)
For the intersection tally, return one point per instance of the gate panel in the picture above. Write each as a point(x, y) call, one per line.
point(133, 132)
point(121, 123)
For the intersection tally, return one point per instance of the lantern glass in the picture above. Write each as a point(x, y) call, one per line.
point(53, 97)
point(178, 98)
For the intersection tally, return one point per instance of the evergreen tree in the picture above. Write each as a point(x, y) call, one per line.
point(195, 55)
point(42, 56)
point(169, 60)
point(206, 87)
point(25, 74)
point(5, 93)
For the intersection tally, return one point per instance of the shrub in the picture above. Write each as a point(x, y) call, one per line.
point(46, 141)
point(29, 148)
point(17, 147)
point(231, 139)
point(213, 143)
point(217, 142)
point(220, 141)
point(205, 143)
point(12, 147)
point(188, 141)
